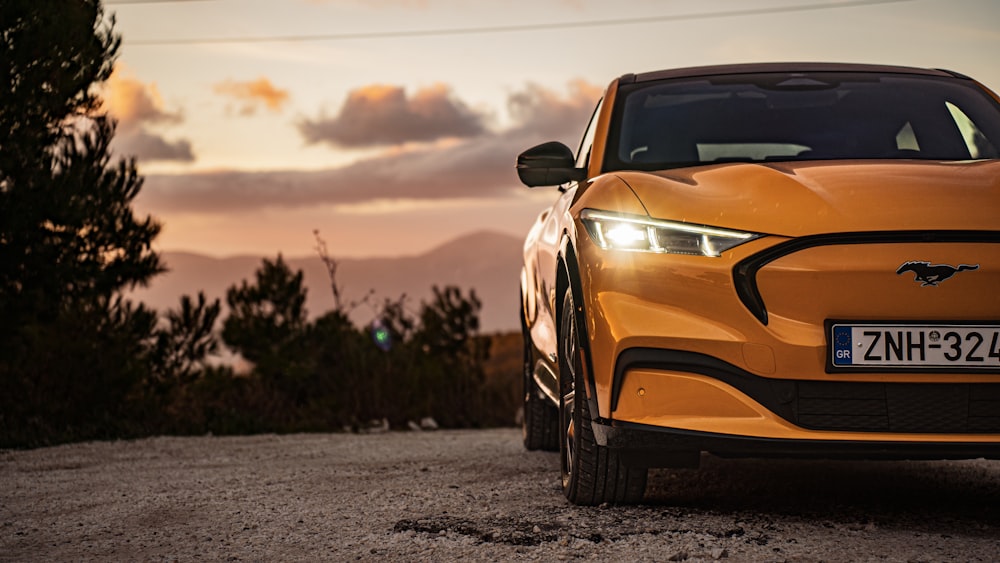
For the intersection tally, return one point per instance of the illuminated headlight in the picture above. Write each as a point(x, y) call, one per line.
point(639, 233)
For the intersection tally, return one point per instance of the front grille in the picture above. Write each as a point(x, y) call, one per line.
point(898, 407)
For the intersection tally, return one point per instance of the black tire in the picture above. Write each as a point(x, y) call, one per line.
point(591, 474)
point(540, 424)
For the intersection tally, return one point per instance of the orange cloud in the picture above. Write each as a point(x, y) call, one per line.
point(136, 106)
point(379, 115)
point(132, 102)
point(249, 95)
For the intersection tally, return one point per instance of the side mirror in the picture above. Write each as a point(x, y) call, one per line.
point(548, 164)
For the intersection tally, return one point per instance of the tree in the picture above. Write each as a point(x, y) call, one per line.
point(71, 349)
point(267, 320)
point(181, 348)
point(448, 334)
point(448, 323)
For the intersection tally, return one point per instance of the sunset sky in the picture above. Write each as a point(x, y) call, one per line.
point(392, 125)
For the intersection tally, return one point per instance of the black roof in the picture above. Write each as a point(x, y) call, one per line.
point(751, 68)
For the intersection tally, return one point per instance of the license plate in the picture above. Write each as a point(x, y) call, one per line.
point(924, 346)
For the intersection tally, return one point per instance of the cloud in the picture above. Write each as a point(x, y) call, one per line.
point(468, 170)
point(138, 106)
point(480, 167)
point(546, 113)
point(133, 103)
point(383, 115)
point(146, 147)
point(251, 94)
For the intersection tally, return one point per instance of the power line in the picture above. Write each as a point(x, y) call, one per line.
point(107, 2)
point(506, 28)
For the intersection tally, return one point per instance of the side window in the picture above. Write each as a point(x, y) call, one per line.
point(906, 140)
point(975, 141)
point(583, 153)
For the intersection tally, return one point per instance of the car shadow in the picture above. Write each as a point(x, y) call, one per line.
point(956, 496)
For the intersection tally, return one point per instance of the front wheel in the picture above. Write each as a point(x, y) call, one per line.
point(591, 474)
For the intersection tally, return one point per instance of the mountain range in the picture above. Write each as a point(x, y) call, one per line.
point(487, 262)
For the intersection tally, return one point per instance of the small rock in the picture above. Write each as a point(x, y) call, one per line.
point(679, 556)
point(378, 426)
point(428, 423)
point(413, 426)
point(720, 553)
point(536, 530)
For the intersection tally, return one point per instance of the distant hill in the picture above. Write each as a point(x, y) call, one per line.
point(488, 262)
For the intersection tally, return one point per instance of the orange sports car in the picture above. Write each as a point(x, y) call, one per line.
point(795, 260)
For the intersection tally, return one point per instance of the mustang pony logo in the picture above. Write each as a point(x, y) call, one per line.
point(933, 275)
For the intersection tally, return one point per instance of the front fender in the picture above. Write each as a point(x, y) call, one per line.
point(607, 193)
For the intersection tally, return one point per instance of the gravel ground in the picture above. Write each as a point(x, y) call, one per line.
point(472, 495)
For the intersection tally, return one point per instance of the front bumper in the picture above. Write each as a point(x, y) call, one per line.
point(676, 389)
point(672, 405)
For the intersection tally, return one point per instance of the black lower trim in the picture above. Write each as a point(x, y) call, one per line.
point(846, 406)
point(652, 446)
point(775, 394)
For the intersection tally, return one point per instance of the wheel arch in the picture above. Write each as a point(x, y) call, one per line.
point(568, 278)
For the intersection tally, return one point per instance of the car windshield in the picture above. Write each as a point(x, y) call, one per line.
point(801, 116)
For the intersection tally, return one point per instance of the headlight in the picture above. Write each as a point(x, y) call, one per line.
point(643, 234)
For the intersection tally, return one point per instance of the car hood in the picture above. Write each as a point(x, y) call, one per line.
point(806, 198)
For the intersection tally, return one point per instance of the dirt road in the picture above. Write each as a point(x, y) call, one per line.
point(475, 496)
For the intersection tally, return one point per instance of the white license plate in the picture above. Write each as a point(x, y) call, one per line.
point(963, 346)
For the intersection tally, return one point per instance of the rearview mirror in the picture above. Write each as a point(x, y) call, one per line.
point(548, 164)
